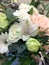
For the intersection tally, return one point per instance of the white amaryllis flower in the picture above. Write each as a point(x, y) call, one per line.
point(4, 42)
point(14, 33)
point(28, 28)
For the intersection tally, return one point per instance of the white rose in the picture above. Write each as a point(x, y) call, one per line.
point(14, 33)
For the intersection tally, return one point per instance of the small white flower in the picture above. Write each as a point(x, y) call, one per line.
point(3, 47)
point(3, 44)
point(24, 1)
point(14, 33)
point(25, 7)
point(22, 15)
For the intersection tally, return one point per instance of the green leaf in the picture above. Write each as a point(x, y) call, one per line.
point(43, 39)
point(47, 6)
point(47, 9)
point(9, 13)
point(47, 56)
point(16, 62)
point(42, 33)
point(31, 11)
point(8, 62)
point(32, 2)
point(12, 47)
point(18, 47)
point(27, 60)
point(21, 48)
point(47, 14)
point(35, 3)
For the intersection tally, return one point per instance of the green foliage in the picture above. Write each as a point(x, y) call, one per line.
point(35, 3)
point(43, 39)
point(6, 18)
point(9, 13)
point(31, 11)
point(18, 47)
point(47, 9)
point(27, 60)
point(9, 62)
point(47, 6)
point(12, 47)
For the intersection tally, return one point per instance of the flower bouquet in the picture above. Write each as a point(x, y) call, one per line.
point(24, 34)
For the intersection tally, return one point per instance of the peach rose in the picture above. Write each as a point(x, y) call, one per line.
point(42, 21)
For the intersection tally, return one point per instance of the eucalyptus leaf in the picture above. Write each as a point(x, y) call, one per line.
point(16, 62)
point(21, 48)
point(44, 39)
point(9, 12)
point(13, 47)
point(18, 47)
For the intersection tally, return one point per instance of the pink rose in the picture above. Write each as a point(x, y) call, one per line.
point(42, 21)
